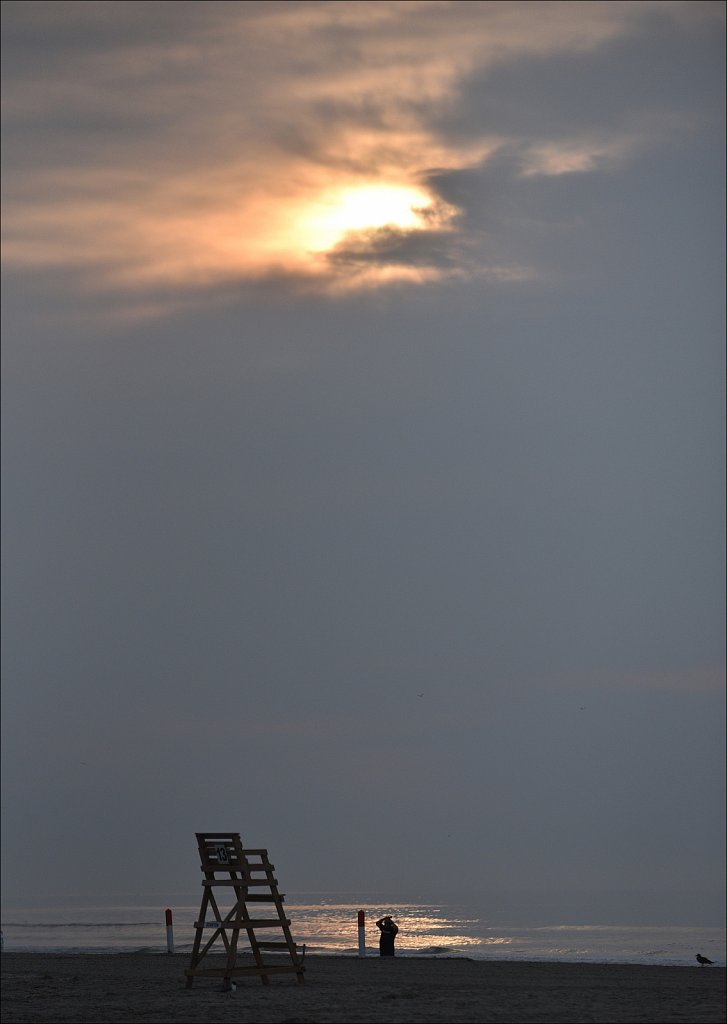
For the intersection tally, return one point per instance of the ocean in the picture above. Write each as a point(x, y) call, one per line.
point(328, 924)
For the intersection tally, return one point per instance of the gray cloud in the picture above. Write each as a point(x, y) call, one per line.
point(391, 245)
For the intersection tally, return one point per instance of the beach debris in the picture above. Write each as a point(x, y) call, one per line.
point(703, 960)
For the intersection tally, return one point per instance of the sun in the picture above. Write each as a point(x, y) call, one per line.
point(363, 208)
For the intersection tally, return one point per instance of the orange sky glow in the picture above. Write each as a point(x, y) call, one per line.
point(296, 161)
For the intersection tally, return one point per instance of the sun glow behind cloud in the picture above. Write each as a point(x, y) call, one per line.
point(124, 231)
point(364, 207)
point(183, 235)
point(288, 142)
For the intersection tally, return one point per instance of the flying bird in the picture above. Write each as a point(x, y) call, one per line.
point(703, 960)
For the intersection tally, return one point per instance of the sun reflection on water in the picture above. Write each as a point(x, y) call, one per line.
point(422, 929)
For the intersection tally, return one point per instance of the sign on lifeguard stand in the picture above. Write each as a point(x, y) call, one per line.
point(233, 875)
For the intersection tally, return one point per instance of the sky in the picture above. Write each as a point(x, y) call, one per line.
point(363, 450)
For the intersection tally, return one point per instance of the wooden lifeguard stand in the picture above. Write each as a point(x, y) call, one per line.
point(232, 873)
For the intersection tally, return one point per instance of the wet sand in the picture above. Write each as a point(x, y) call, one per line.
point(152, 987)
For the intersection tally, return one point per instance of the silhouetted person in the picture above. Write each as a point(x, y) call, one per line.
point(388, 931)
point(703, 960)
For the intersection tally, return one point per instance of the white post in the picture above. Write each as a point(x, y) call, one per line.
point(170, 931)
point(362, 933)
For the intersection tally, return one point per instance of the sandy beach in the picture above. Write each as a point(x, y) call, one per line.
point(152, 987)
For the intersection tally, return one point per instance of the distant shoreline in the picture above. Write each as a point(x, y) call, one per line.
point(146, 987)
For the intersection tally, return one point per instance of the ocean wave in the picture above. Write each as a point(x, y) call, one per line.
point(50, 925)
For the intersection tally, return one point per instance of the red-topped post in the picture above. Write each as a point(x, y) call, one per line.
point(362, 933)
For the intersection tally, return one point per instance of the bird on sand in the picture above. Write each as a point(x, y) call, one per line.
point(703, 960)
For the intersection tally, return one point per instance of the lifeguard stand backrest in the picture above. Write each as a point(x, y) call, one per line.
point(221, 851)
